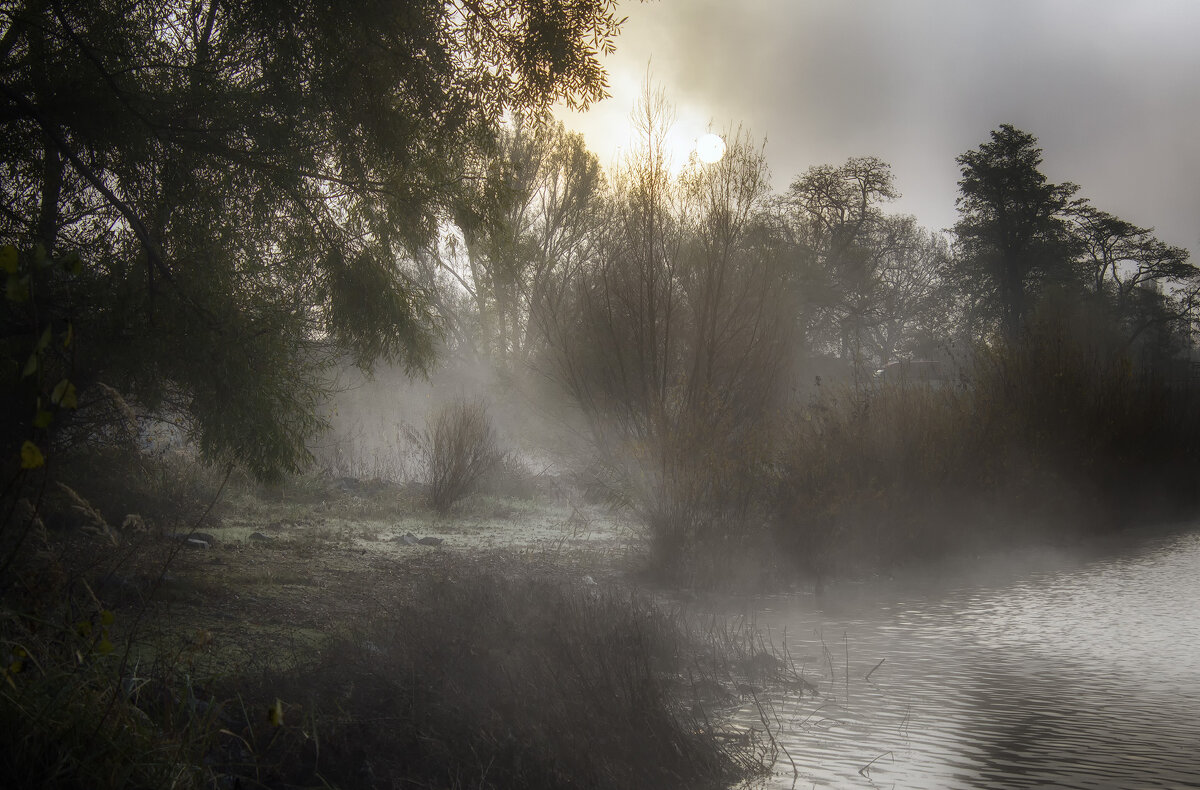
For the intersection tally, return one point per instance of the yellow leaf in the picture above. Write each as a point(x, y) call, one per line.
point(104, 647)
point(8, 258)
point(275, 713)
point(69, 401)
point(69, 336)
point(43, 419)
point(83, 628)
point(31, 456)
point(107, 617)
point(64, 395)
point(44, 340)
point(31, 366)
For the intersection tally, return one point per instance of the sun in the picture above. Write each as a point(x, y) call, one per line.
point(710, 148)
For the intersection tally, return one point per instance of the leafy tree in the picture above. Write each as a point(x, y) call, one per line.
point(532, 226)
point(241, 180)
point(1012, 235)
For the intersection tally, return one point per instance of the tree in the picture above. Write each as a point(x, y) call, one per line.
point(911, 312)
point(242, 179)
point(674, 344)
point(836, 217)
point(1012, 235)
point(531, 227)
point(1129, 267)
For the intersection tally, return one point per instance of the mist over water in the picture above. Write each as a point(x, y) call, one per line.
point(1083, 674)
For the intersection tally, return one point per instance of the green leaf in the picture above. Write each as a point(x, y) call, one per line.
point(31, 366)
point(69, 335)
point(8, 259)
point(43, 419)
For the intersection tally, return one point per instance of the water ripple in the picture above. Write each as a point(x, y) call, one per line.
point(1085, 676)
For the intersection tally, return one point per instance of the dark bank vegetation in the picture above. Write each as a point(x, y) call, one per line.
point(468, 674)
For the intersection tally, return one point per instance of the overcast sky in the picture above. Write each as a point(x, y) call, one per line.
point(1111, 88)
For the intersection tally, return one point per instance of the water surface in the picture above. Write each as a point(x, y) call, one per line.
point(1041, 671)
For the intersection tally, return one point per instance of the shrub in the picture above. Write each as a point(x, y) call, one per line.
point(1055, 435)
point(486, 681)
point(459, 447)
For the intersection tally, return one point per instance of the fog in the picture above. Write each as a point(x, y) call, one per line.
point(822, 408)
point(1107, 87)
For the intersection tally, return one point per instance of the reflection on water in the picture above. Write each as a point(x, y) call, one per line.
point(1085, 676)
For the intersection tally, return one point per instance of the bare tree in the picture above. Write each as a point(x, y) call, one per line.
point(675, 343)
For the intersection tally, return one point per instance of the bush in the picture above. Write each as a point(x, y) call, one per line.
point(1055, 436)
point(459, 447)
point(484, 681)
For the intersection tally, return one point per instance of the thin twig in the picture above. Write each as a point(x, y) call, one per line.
point(865, 770)
point(877, 666)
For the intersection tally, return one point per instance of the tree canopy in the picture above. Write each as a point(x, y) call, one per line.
point(1012, 230)
point(241, 178)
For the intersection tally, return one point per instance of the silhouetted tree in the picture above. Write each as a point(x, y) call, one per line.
point(912, 310)
point(675, 344)
point(1151, 285)
point(837, 217)
point(241, 180)
point(1012, 234)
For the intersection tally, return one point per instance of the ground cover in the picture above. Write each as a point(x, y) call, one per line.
point(303, 635)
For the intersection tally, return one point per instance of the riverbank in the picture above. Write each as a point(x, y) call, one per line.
point(336, 632)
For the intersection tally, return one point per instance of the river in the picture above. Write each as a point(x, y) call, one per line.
point(1038, 670)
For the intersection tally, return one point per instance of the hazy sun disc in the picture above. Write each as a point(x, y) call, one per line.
point(710, 148)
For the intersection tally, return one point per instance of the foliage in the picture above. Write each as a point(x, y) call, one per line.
point(871, 283)
point(459, 448)
point(1127, 266)
point(1012, 234)
point(539, 684)
point(527, 232)
point(1061, 434)
point(243, 178)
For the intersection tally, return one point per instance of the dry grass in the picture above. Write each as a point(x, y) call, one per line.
point(1054, 439)
point(459, 447)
